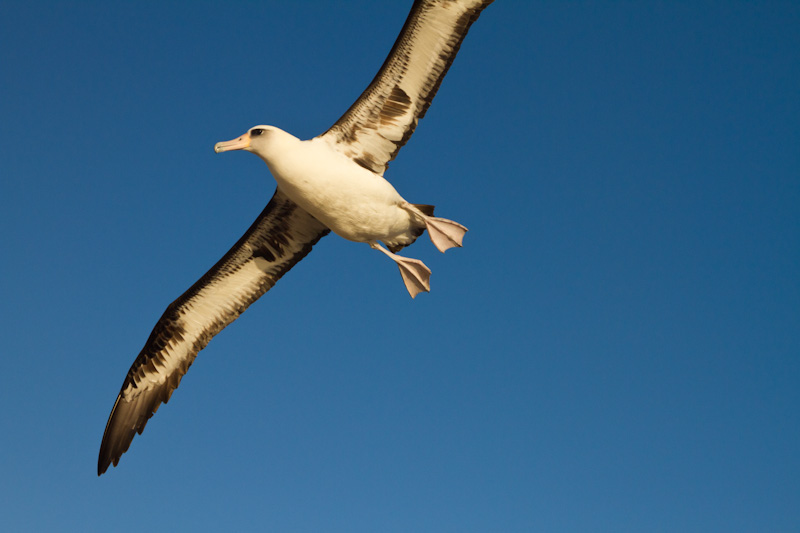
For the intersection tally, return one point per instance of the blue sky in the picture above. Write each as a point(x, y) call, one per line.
point(616, 347)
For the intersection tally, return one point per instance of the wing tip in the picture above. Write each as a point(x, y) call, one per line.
point(108, 451)
point(127, 418)
point(102, 464)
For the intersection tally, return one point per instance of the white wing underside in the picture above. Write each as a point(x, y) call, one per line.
point(383, 118)
point(281, 236)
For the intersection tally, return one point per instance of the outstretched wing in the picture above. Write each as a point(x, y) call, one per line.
point(280, 237)
point(383, 118)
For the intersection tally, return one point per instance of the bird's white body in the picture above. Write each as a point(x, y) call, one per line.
point(348, 198)
point(355, 203)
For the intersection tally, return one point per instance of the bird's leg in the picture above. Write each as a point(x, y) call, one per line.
point(444, 233)
point(415, 274)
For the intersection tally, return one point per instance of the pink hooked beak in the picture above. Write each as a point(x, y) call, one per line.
point(240, 143)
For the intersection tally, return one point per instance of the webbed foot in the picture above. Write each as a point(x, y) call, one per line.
point(416, 275)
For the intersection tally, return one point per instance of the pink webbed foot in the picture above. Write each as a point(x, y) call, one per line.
point(445, 234)
point(416, 275)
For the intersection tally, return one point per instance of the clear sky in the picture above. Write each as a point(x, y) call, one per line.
point(616, 347)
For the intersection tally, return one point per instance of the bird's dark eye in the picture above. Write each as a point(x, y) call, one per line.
point(255, 132)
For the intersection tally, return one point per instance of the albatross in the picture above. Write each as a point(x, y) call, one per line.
point(333, 182)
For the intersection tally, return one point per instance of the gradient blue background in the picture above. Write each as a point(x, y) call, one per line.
point(616, 348)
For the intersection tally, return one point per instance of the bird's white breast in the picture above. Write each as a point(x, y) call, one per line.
point(355, 203)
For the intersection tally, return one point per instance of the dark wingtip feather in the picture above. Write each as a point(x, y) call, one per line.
point(109, 446)
point(125, 421)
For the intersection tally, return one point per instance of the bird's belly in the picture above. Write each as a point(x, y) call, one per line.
point(353, 202)
point(364, 223)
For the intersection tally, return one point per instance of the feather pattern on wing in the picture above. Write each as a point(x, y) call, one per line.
point(383, 118)
point(280, 237)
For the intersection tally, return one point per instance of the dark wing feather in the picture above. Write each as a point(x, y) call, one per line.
point(280, 237)
point(383, 118)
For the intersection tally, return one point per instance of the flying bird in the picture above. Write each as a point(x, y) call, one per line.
point(333, 182)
